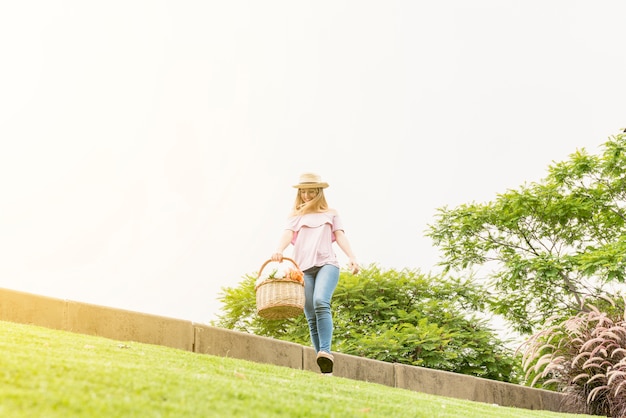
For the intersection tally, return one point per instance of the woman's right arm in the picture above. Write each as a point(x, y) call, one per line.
point(284, 241)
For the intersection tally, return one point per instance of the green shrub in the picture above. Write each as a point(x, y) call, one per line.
point(394, 316)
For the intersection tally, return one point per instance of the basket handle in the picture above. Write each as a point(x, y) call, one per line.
point(270, 260)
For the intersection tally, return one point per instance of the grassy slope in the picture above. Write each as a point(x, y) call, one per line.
point(50, 373)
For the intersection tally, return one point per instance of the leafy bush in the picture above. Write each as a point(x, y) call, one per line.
point(584, 357)
point(394, 316)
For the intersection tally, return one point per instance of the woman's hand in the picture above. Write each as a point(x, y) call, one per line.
point(277, 257)
point(353, 265)
point(285, 240)
point(342, 241)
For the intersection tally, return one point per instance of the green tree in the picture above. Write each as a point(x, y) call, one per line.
point(547, 247)
point(394, 316)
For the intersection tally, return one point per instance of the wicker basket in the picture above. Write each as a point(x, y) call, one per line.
point(279, 299)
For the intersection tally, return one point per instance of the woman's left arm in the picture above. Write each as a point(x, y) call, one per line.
point(344, 244)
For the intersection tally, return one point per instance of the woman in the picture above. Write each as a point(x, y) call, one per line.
point(312, 228)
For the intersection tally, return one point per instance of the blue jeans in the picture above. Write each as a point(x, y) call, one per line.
point(319, 285)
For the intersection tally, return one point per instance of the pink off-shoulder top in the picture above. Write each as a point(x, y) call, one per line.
point(314, 234)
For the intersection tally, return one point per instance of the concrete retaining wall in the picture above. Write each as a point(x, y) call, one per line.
point(228, 343)
point(125, 325)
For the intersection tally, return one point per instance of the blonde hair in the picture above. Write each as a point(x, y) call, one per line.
point(317, 204)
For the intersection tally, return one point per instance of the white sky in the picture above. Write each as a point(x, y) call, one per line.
point(148, 148)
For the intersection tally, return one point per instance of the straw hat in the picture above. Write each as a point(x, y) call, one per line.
point(311, 181)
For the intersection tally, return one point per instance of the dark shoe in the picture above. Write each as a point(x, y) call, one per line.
point(325, 361)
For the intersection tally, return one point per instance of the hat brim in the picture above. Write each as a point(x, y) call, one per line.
point(311, 185)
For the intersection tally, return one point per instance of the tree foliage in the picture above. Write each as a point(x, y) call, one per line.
point(394, 316)
point(547, 246)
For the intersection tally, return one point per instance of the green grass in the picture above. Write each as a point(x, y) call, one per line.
point(50, 373)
